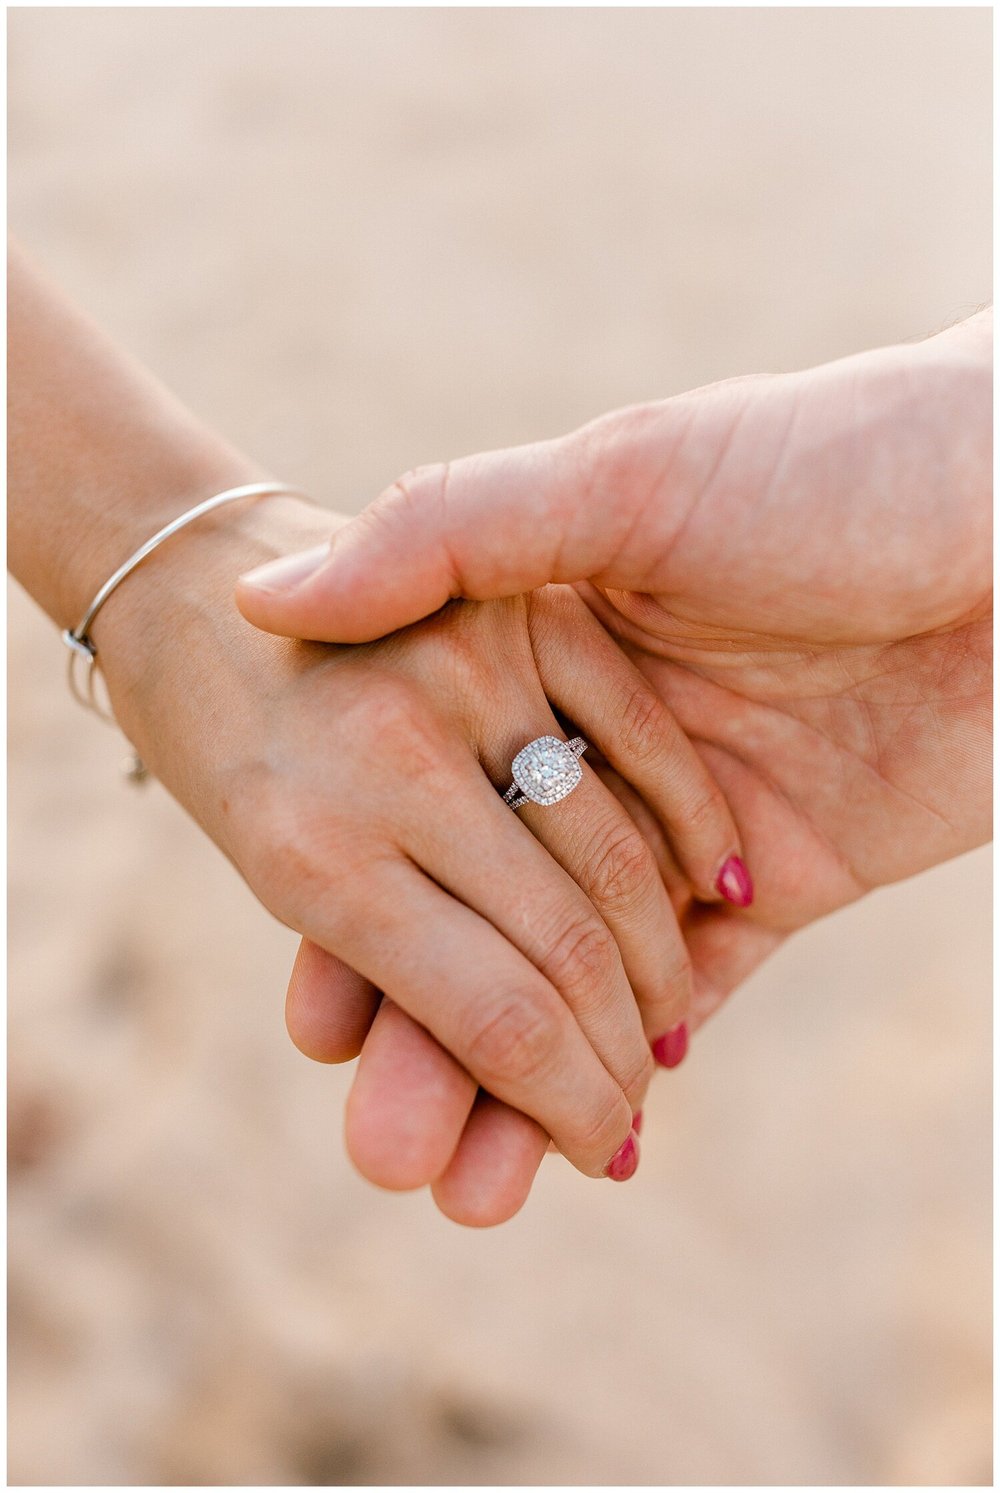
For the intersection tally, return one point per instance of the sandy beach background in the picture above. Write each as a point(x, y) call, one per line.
point(357, 240)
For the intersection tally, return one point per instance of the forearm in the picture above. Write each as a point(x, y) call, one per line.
point(99, 453)
point(100, 457)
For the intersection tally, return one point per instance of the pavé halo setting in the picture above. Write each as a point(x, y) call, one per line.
point(545, 771)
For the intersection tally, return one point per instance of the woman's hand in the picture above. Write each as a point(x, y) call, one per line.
point(356, 789)
point(800, 567)
point(352, 788)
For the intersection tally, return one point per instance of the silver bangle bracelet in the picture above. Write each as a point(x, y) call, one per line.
point(83, 650)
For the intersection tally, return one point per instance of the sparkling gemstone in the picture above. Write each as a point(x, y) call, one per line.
point(546, 770)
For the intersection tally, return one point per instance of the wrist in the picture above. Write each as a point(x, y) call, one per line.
point(180, 662)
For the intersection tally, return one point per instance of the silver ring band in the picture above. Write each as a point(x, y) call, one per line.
point(545, 771)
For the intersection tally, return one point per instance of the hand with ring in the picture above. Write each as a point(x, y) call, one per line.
point(800, 568)
point(533, 955)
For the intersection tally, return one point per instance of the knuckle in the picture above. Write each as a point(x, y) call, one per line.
point(418, 487)
point(584, 955)
point(384, 705)
point(707, 811)
point(552, 609)
point(464, 648)
point(603, 1129)
point(636, 1076)
point(646, 725)
point(305, 859)
point(622, 869)
point(600, 453)
point(516, 1043)
point(678, 981)
point(391, 717)
point(612, 451)
point(287, 863)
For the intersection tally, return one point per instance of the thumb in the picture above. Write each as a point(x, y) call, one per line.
point(483, 527)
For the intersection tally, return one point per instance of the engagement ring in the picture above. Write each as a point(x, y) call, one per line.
point(545, 771)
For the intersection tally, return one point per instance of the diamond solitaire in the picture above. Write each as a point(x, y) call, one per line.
point(545, 771)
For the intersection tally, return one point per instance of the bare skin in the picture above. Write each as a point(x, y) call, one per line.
point(800, 567)
point(355, 788)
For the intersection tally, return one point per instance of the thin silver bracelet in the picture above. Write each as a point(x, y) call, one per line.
point(81, 645)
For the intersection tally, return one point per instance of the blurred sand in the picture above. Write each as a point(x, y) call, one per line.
point(359, 240)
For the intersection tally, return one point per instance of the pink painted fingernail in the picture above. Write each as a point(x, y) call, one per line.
point(669, 1049)
point(625, 1160)
point(733, 882)
point(637, 1122)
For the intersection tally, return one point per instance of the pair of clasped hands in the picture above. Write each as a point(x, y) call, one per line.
point(765, 606)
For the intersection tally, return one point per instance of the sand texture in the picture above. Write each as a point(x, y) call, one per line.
point(357, 241)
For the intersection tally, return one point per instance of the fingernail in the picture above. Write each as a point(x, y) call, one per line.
point(637, 1122)
point(733, 882)
point(669, 1049)
point(625, 1160)
point(288, 572)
